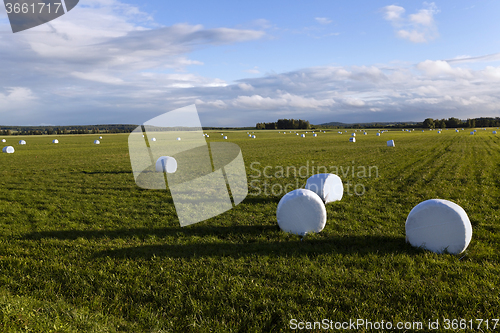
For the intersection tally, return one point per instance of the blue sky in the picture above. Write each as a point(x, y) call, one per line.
point(109, 61)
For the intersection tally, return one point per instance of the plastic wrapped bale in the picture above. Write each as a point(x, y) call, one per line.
point(22, 142)
point(100, 137)
point(166, 164)
point(378, 134)
point(8, 149)
point(352, 139)
point(153, 139)
point(315, 135)
point(96, 142)
point(439, 132)
point(439, 225)
point(253, 136)
point(302, 135)
point(225, 138)
point(249, 135)
point(327, 186)
point(471, 133)
point(55, 141)
point(178, 139)
point(494, 132)
point(364, 133)
point(390, 143)
point(300, 212)
point(353, 134)
point(208, 136)
point(3, 140)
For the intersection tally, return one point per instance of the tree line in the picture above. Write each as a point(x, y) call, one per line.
point(454, 122)
point(60, 130)
point(285, 124)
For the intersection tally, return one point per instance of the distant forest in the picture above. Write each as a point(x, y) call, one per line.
point(59, 130)
point(427, 123)
point(285, 124)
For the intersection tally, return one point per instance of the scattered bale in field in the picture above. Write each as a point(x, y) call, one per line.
point(253, 136)
point(456, 131)
point(301, 211)
point(390, 143)
point(353, 134)
point(55, 141)
point(378, 134)
point(208, 136)
point(100, 137)
point(166, 164)
point(179, 139)
point(3, 140)
point(249, 135)
point(471, 133)
point(297, 134)
point(223, 133)
point(96, 142)
point(365, 133)
point(439, 132)
point(439, 225)
point(225, 138)
point(8, 149)
point(153, 139)
point(352, 139)
point(302, 135)
point(494, 132)
point(315, 134)
point(22, 142)
point(327, 185)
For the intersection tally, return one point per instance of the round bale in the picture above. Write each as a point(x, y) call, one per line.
point(301, 211)
point(439, 225)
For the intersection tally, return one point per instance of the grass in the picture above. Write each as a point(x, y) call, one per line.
point(83, 249)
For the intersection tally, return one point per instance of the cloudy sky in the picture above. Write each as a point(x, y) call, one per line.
point(242, 62)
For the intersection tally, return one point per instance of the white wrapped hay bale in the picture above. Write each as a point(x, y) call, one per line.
point(166, 164)
point(327, 186)
point(100, 137)
point(378, 134)
point(225, 138)
point(315, 135)
point(3, 140)
point(178, 139)
point(302, 135)
point(208, 136)
point(22, 142)
point(300, 212)
point(249, 135)
point(352, 139)
point(494, 132)
point(471, 133)
point(55, 141)
point(8, 149)
point(253, 136)
point(439, 225)
point(353, 134)
point(153, 139)
point(364, 133)
point(390, 143)
point(97, 142)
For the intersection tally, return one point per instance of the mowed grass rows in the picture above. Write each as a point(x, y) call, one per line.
point(83, 249)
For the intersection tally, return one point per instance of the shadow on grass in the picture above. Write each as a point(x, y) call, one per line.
point(352, 245)
point(106, 172)
point(158, 232)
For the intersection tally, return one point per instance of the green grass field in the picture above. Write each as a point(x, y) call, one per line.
point(83, 249)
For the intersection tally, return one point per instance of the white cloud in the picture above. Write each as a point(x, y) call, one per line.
point(323, 20)
point(393, 13)
point(417, 28)
point(245, 86)
point(254, 70)
point(441, 67)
